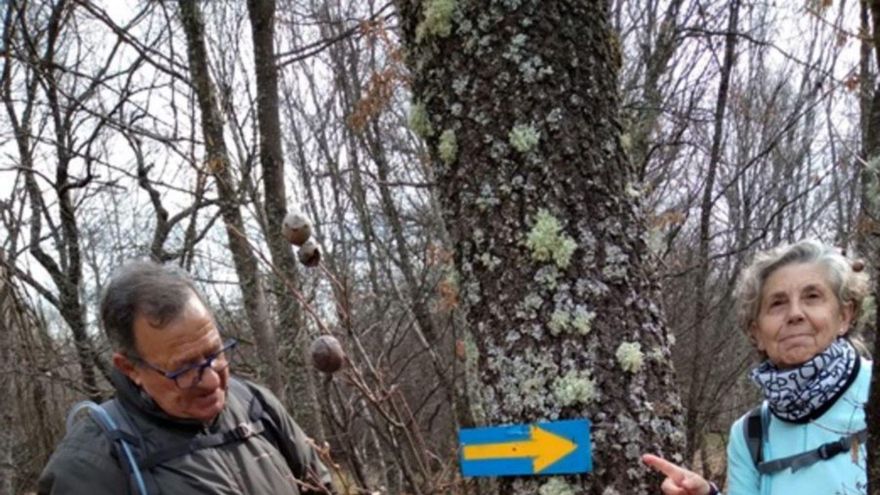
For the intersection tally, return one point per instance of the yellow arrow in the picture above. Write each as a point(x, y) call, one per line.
point(544, 447)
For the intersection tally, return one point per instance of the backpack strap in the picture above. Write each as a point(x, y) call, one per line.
point(753, 429)
point(138, 461)
point(259, 409)
point(804, 459)
point(239, 433)
point(114, 423)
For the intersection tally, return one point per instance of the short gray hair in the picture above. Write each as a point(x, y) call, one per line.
point(849, 285)
point(146, 289)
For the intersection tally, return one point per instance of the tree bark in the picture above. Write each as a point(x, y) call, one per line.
point(541, 205)
point(217, 163)
point(870, 231)
point(695, 401)
point(7, 383)
point(302, 385)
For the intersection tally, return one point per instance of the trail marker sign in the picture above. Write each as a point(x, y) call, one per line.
point(557, 447)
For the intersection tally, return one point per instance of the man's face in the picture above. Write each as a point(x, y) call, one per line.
point(187, 340)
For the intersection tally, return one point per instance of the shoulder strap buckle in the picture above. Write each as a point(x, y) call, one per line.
point(243, 431)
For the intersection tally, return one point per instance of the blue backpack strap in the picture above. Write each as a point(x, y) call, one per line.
point(112, 421)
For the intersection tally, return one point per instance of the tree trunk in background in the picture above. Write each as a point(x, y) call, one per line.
point(695, 421)
point(658, 58)
point(302, 386)
point(217, 162)
point(65, 270)
point(539, 200)
point(7, 384)
point(868, 232)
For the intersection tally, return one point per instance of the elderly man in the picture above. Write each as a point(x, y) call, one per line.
point(196, 428)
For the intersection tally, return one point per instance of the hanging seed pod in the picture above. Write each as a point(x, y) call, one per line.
point(297, 228)
point(310, 253)
point(327, 354)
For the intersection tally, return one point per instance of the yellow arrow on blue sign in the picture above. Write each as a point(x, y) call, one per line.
point(558, 447)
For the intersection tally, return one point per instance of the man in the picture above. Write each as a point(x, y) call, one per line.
point(196, 424)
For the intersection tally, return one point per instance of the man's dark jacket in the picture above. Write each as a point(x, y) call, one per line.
point(84, 462)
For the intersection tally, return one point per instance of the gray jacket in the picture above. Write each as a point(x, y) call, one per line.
point(85, 462)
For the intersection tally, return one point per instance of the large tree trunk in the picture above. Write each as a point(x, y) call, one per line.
point(539, 200)
point(246, 266)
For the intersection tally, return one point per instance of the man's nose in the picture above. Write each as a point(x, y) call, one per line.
point(210, 378)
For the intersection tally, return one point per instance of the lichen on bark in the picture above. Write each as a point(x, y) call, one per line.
point(550, 65)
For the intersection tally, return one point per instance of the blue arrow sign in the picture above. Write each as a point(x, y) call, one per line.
point(558, 447)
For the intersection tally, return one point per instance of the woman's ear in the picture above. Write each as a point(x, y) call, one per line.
point(753, 339)
point(846, 317)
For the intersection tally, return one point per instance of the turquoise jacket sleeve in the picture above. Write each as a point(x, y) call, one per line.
point(742, 476)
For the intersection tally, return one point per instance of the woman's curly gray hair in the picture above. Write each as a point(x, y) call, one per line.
point(847, 278)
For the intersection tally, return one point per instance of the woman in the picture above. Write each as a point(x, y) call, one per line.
point(797, 304)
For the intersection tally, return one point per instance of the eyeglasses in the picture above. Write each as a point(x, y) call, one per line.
point(190, 376)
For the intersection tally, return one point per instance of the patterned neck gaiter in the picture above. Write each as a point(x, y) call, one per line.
point(804, 393)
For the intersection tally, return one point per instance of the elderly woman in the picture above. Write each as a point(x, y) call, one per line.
point(797, 304)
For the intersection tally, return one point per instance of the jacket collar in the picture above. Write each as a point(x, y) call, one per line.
point(137, 399)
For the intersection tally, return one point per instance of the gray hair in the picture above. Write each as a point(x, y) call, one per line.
point(146, 289)
point(849, 285)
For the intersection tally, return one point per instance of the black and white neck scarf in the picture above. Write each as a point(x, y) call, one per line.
point(804, 393)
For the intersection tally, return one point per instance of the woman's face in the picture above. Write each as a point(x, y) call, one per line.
point(799, 316)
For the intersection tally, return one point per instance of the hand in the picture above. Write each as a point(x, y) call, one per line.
point(679, 481)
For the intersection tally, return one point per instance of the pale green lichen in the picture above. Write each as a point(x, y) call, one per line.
point(633, 191)
point(575, 387)
point(630, 356)
point(548, 242)
point(616, 263)
point(438, 19)
point(556, 486)
point(447, 148)
point(523, 137)
point(583, 320)
point(532, 302)
point(489, 261)
point(656, 355)
point(869, 312)
point(548, 277)
point(523, 381)
point(559, 321)
point(626, 141)
point(419, 122)
point(487, 198)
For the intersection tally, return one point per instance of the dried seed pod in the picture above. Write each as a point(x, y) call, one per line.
point(327, 354)
point(310, 253)
point(297, 228)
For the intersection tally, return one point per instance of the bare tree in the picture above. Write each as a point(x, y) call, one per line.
point(219, 165)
